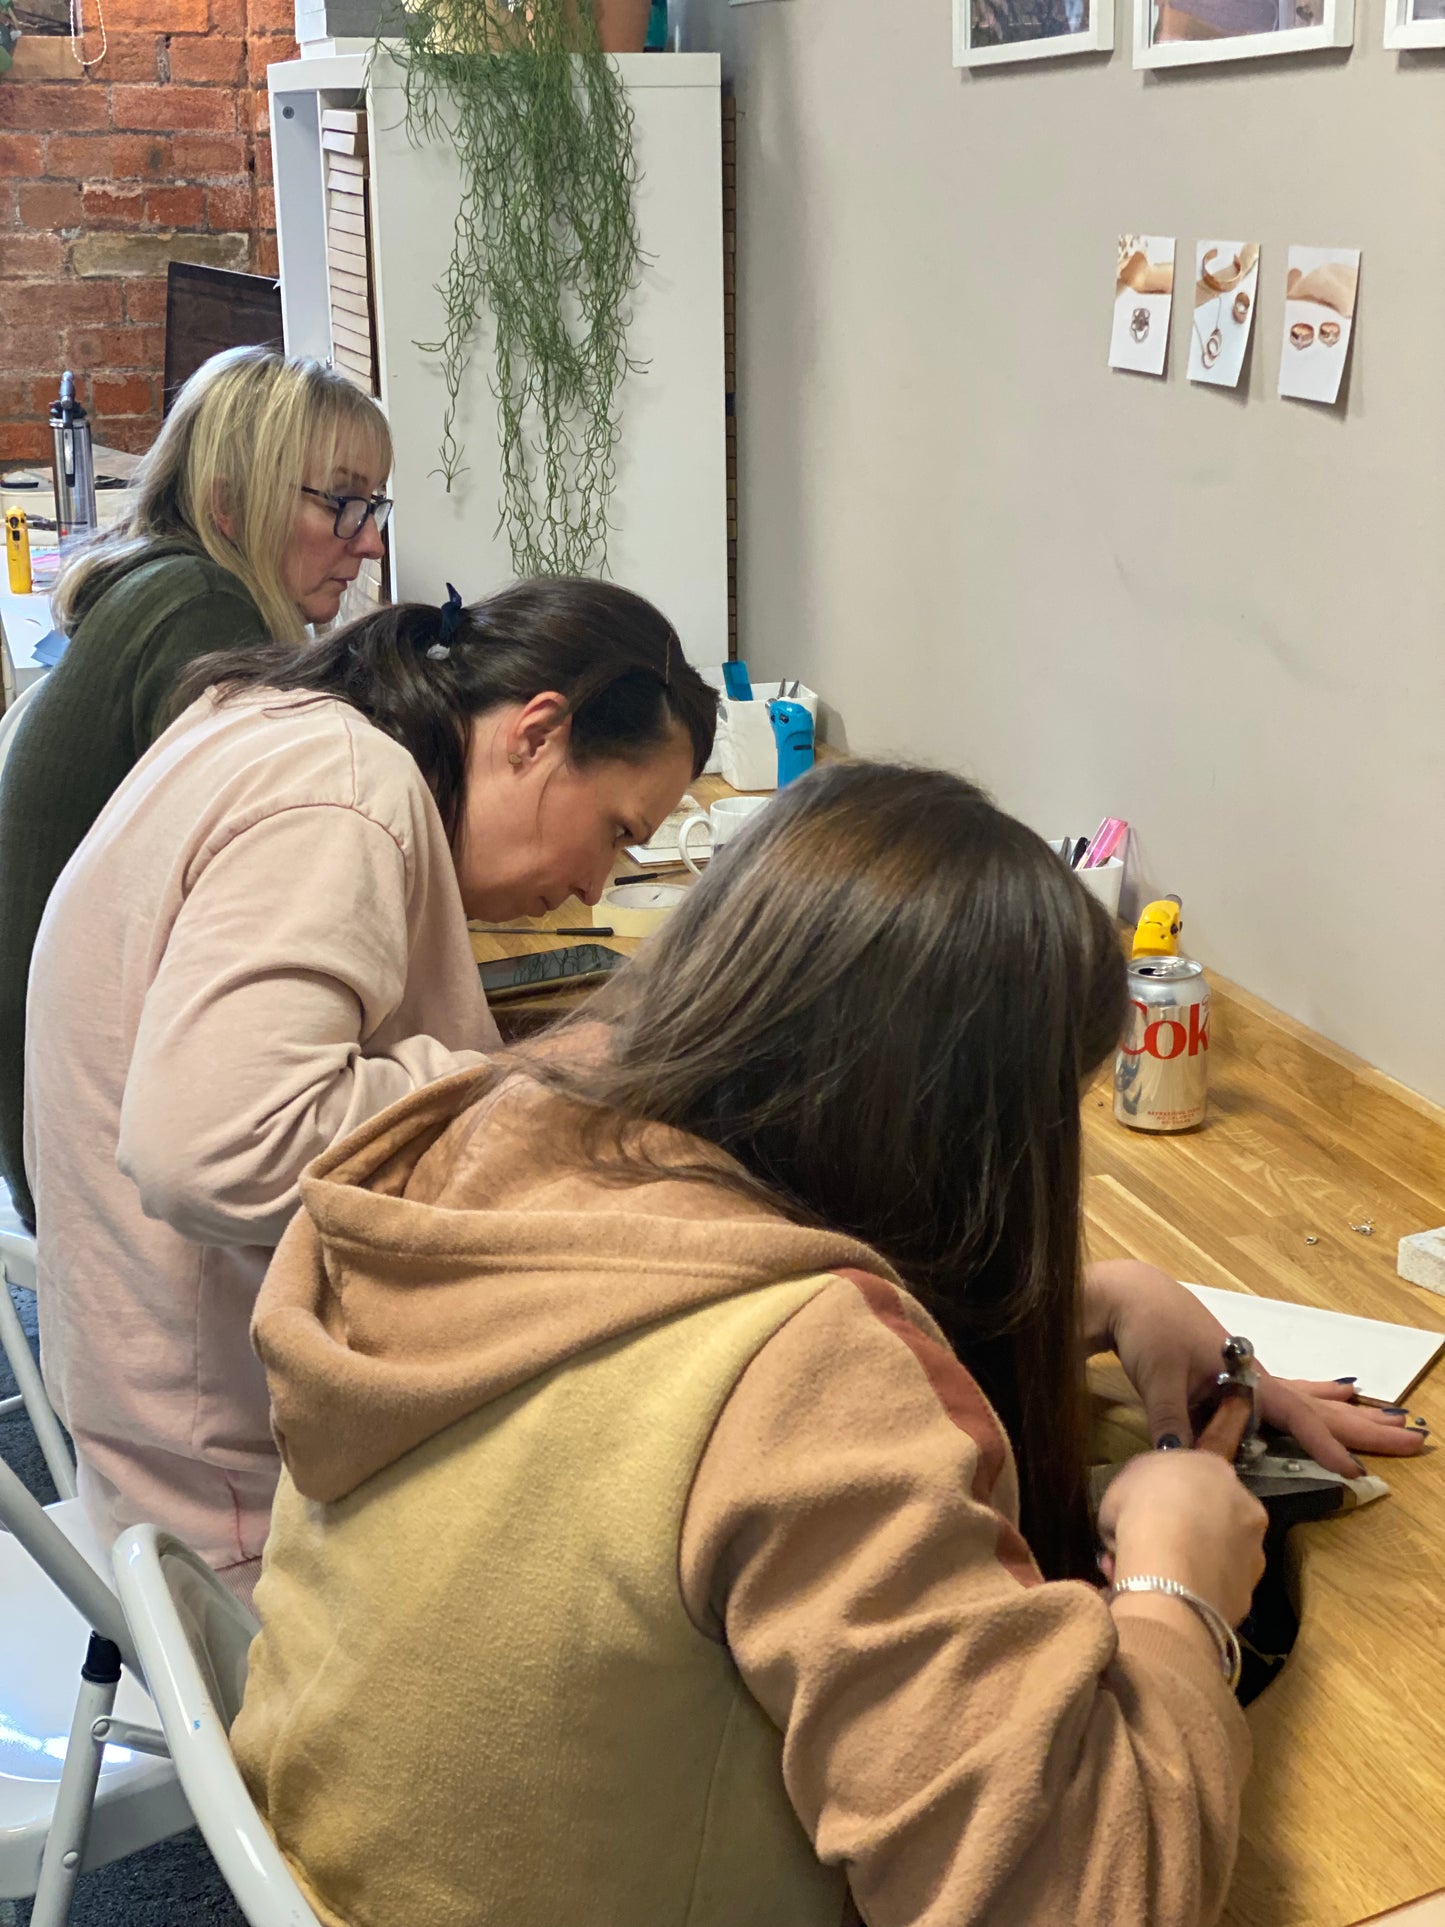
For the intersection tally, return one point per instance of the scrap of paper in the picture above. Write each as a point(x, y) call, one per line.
point(1143, 295)
point(1226, 291)
point(1319, 318)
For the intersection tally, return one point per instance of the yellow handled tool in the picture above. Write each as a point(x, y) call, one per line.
point(17, 551)
point(1157, 932)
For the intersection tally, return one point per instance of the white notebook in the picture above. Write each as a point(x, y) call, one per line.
point(1302, 1341)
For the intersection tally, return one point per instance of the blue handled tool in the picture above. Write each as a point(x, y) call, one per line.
point(793, 734)
point(737, 682)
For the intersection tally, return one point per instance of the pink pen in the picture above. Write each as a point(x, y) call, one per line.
point(1107, 838)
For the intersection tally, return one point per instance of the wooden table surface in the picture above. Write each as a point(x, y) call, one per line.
point(1344, 1814)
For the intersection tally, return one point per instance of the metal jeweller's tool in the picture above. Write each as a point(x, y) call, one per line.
point(75, 509)
point(1233, 1431)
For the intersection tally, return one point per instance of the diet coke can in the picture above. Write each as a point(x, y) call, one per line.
point(1161, 1075)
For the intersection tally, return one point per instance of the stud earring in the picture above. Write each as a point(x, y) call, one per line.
point(514, 759)
point(1139, 324)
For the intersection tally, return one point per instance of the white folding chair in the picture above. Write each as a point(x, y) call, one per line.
point(17, 1267)
point(194, 1637)
point(83, 1775)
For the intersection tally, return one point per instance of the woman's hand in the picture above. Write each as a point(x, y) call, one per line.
point(1169, 1346)
point(1186, 1516)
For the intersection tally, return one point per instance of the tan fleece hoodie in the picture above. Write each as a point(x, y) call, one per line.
point(645, 1559)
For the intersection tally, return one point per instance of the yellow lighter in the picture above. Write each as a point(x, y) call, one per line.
point(17, 551)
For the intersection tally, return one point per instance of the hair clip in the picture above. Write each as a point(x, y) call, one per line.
point(451, 616)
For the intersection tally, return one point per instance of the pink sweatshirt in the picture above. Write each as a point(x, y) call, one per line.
point(259, 945)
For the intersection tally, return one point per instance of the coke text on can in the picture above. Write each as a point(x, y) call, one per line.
point(1161, 1075)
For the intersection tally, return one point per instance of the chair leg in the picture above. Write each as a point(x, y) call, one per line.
point(32, 1390)
point(75, 1796)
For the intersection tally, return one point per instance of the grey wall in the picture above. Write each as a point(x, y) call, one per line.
point(1221, 616)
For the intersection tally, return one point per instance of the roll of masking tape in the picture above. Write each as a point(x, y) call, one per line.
point(635, 909)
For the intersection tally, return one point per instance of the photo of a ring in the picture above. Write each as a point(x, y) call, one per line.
point(1301, 335)
point(1241, 306)
point(1139, 324)
point(1329, 334)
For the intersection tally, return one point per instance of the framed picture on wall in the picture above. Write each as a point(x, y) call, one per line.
point(986, 33)
point(1188, 33)
point(1415, 23)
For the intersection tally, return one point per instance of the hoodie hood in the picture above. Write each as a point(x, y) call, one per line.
point(458, 1246)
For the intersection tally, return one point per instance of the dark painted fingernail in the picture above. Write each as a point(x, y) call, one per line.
point(1358, 1467)
point(1347, 1381)
point(1396, 1411)
point(1170, 1442)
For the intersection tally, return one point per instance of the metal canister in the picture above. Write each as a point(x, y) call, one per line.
point(1161, 1075)
point(75, 511)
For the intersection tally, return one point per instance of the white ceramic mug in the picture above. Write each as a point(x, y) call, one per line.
point(722, 822)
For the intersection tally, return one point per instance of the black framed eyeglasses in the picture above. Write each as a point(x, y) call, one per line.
point(353, 511)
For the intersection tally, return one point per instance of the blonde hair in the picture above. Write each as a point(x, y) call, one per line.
point(248, 428)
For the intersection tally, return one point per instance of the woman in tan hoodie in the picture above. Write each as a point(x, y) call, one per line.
point(685, 1520)
point(263, 942)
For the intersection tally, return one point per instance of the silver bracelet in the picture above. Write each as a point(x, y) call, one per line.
point(1226, 1641)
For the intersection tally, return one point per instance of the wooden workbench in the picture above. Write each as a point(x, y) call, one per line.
point(1344, 1815)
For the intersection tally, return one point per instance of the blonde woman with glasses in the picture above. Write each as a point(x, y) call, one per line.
point(254, 510)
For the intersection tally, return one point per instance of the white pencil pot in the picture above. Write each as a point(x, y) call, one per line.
point(747, 750)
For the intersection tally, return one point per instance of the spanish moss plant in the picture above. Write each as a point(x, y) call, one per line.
point(545, 240)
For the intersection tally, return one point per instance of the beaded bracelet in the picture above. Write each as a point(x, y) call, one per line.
point(1226, 1642)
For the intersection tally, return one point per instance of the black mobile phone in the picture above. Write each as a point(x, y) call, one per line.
point(579, 963)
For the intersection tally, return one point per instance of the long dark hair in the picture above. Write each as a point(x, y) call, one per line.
point(883, 1000)
point(613, 657)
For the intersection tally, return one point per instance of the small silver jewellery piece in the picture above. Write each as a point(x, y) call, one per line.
point(1139, 324)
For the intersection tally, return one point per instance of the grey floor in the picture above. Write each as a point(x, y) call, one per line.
point(174, 1884)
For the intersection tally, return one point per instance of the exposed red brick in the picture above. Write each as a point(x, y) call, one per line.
point(113, 206)
point(228, 16)
point(122, 395)
point(145, 301)
point(48, 204)
point(263, 159)
point(229, 209)
point(33, 303)
point(130, 57)
point(211, 59)
point(254, 113)
point(159, 16)
point(164, 108)
point(264, 50)
point(21, 154)
point(79, 157)
point(271, 16)
point(114, 348)
point(176, 206)
point(30, 254)
point(24, 441)
point(140, 157)
point(202, 157)
point(135, 436)
point(30, 348)
point(266, 208)
point(264, 258)
point(53, 108)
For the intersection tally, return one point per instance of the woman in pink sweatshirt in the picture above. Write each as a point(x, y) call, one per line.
point(261, 943)
point(685, 1515)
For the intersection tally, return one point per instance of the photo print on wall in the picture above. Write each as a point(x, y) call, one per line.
point(1319, 317)
point(1226, 292)
point(1143, 296)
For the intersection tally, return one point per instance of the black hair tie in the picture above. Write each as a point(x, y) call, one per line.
point(448, 623)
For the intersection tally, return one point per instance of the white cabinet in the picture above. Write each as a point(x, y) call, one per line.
point(668, 514)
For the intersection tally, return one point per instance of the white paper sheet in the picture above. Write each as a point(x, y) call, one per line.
point(1302, 1341)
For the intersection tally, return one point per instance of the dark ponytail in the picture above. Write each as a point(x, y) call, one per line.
point(422, 675)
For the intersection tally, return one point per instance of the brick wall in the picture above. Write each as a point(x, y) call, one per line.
point(161, 152)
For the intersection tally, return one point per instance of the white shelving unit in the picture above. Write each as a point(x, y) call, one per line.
point(669, 509)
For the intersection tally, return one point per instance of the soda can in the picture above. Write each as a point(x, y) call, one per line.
point(1161, 1075)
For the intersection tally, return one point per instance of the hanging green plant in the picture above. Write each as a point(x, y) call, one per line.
point(545, 240)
